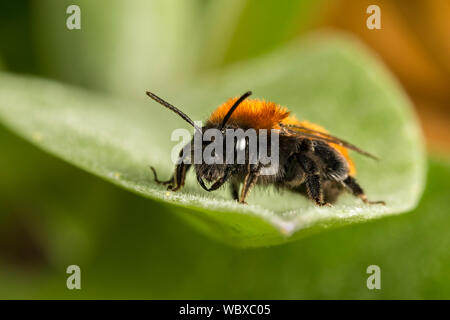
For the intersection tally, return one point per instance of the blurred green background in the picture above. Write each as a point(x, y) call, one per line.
point(53, 215)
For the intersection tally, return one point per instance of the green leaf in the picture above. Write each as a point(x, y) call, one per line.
point(326, 79)
point(144, 41)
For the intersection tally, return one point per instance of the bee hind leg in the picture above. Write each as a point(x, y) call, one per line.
point(351, 184)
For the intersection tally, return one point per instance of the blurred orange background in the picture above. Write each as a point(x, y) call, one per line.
point(414, 42)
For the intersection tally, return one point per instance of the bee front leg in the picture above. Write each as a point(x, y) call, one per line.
point(235, 189)
point(155, 176)
point(178, 178)
point(217, 184)
point(250, 180)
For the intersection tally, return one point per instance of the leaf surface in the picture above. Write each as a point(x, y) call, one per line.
point(327, 79)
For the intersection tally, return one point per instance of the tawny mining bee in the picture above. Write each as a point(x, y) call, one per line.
point(310, 161)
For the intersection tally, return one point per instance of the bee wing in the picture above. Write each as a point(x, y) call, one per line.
point(311, 133)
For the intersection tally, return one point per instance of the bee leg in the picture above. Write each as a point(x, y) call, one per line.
point(312, 181)
point(249, 182)
point(235, 190)
point(314, 190)
point(217, 184)
point(180, 176)
point(170, 181)
point(351, 184)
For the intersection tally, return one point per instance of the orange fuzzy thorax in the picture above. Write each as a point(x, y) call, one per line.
point(260, 114)
point(251, 113)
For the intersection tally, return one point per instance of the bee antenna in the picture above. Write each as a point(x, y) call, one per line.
point(174, 109)
point(235, 105)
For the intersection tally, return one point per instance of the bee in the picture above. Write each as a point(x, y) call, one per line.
point(312, 162)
